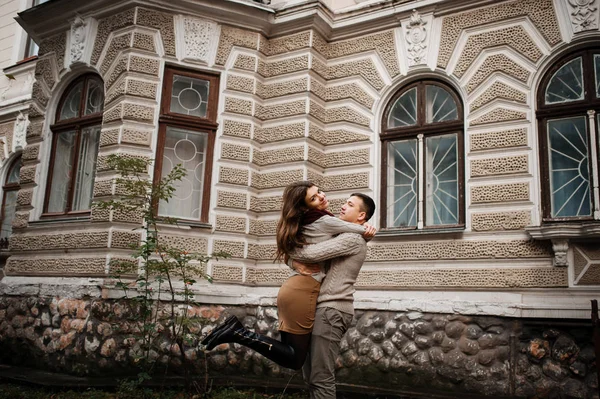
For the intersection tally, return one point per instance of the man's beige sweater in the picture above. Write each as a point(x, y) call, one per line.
point(347, 253)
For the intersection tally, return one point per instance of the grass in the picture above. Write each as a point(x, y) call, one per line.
point(13, 391)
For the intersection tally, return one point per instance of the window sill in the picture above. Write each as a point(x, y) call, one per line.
point(185, 223)
point(49, 221)
point(458, 230)
point(567, 230)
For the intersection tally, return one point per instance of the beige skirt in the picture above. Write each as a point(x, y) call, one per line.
point(296, 304)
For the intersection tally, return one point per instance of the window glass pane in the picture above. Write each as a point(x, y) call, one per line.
point(32, 48)
point(566, 84)
point(569, 170)
point(404, 111)
point(440, 105)
point(61, 171)
point(597, 70)
point(9, 207)
point(441, 180)
point(402, 184)
point(188, 149)
point(13, 173)
point(190, 96)
point(70, 108)
point(86, 168)
point(94, 98)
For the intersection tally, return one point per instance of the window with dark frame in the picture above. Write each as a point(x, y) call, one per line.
point(10, 190)
point(75, 138)
point(31, 47)
point(569, 125)
point(187, 132)
point(422, 158)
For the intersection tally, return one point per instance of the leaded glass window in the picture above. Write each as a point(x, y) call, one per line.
point(422, 138)
point(568, 109)
point(76, 136)
point(186, 138)
point(10, 190)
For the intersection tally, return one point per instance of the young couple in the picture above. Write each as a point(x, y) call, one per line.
point(315, 305)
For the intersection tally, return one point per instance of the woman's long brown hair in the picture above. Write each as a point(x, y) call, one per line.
point(289, 235)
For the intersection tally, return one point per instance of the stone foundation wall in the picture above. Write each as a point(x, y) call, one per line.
point(390, 350)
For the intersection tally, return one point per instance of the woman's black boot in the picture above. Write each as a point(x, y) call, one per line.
point(214, 333)
point(270, 348)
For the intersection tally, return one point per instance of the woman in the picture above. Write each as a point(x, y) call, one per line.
point(304, 220)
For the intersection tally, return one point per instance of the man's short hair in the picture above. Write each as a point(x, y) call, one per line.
point(367, 206)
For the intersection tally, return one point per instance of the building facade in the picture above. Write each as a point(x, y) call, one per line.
point(474, 125)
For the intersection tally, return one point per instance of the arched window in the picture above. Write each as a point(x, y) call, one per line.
point(568, 106)
point(75, 140)
point(10, 188)
point(422, 158)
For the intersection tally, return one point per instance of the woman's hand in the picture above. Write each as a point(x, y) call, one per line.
point(369, 232)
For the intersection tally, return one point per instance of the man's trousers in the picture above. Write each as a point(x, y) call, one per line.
point(319, 368)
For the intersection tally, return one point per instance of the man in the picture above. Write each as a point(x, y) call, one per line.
point(335, 304)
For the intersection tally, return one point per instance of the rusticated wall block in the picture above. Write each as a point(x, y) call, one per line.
point(109, 137)
point(24, 197)
point(262, 251)
point(246, 62)
point(263, 227)
point(364, 68)
point(279, 89)
point(235, 249)
point(233, 176)
point(280, 110)
point(499, 166)
point(119, 68)
point(135, 136)
point(283, 155)
point(500, 193)
point(498, 221)
point(34, 131)
point(103, 188)
point(238, 106)
point(70, 266)
point(81, 239)
point(265, 204)
point(500, 139)
point(108, 25)
point(228, 199)
point(127, 217)
point(285, 44)
point(45, 71)
point(236, 129)
point(136, 112)
point(27, 174)
point(21, 220)
point(230, 223)
point(471, 277)
point(31, 152)
point(240, 83)
point(140, 88)
point(276, 68)
point(38, 94)
point(236, 152)
point(340, 158)
point(56, 44)
point(340, 182)
point(161, 21)
point(437, 250)
point(124, 239)
point(143, 41)
point(498, 90)
point(275, 179)
point(149, 66)
point(227, 273)
point(278, 133)
point(499, 115)
point(183, 243)
point(266, 276)
point(234, 37)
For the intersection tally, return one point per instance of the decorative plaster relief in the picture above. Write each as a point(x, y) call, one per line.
point(200, 41)
point(20, 131)
point(561, 250)
point(78, 39)
point(416, 38)
point(584, 15)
